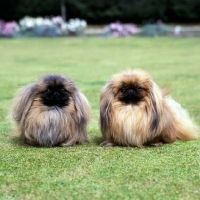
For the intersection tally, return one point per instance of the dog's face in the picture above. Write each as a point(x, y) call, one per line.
point(131, 88)
point(55, 90)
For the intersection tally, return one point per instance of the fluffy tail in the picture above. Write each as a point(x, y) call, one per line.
point(181, 126)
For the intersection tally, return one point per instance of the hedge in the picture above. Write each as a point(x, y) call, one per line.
point(104, 11)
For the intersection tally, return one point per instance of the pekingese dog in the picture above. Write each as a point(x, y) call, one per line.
point(51, 112)
point(135, 112)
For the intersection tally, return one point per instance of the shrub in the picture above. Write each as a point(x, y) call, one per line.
point(75, 27)
point(120, 30)
point(50, 27)
point(8, 29)
point(37, 27)
point(153, 30)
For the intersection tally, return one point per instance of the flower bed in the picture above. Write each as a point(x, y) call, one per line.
point(42, 27)
point(8, 29)
point(50, 27)
point(120, 30)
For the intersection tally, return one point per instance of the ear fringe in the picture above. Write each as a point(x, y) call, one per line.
point(22, 103)
point(105, 108)
point(82, 106)
point(83, 112)
point(156, 105)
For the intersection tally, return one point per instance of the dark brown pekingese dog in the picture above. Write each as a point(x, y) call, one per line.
point(134, 111)
point(51, 112)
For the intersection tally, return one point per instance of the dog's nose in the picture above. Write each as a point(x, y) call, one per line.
point(131, 91)
point(56, 94)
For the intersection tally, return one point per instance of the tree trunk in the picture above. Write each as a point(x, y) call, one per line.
point(63, 10)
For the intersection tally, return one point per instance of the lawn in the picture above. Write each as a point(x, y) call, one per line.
point(89, 171)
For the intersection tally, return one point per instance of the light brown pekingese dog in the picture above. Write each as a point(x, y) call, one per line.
point(51, 112)
point(135, 112)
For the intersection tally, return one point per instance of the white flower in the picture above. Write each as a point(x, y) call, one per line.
point(47, 22)
point(39, 21)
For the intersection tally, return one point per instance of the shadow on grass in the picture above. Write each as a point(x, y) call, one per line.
point(17, 141)
point(97, 140)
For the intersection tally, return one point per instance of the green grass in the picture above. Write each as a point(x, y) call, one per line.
point(89, 171)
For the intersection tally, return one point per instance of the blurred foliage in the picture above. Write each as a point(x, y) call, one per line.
point(103, 11)
point(50, 27)
point(120, 30)
point(154, 30)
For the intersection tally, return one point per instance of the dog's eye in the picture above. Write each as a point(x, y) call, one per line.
point(64, 90)
point(139, 88)
point(122, 89)
point(47, 90)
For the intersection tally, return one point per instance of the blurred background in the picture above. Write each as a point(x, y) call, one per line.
point(99, 17)
point(103, 11)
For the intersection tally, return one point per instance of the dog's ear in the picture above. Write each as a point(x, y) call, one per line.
point(23, 102)
point(161, 114)
point(105, 107)
point(156, 106)
point(82, 106)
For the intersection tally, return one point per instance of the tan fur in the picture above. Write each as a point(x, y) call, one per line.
point(156, 119)
point(48, 126)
